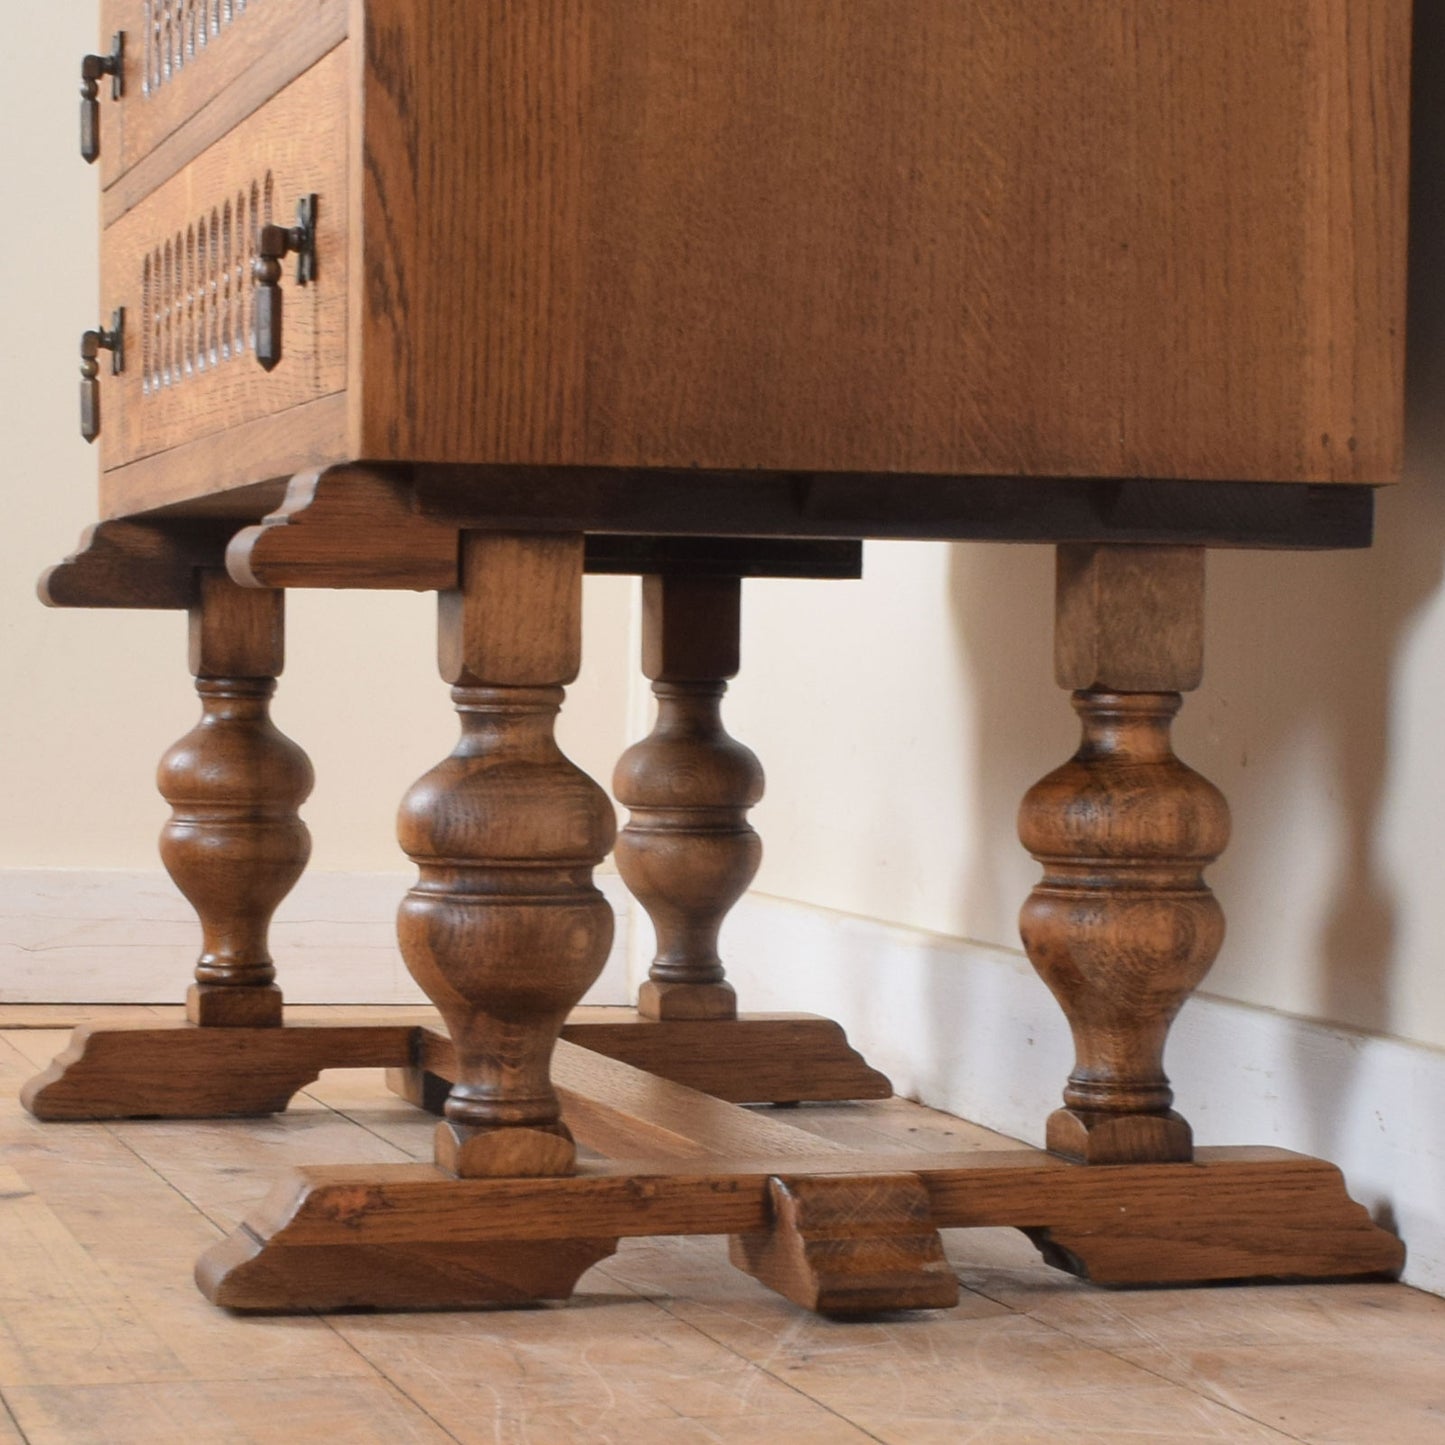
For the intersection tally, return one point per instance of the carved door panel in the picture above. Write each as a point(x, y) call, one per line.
point(178, 55)
point(180, 263)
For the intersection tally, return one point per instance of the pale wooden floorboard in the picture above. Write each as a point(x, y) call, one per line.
point(103, 1337)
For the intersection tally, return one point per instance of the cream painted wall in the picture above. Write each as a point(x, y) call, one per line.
point(93, 698)
point(900, 718)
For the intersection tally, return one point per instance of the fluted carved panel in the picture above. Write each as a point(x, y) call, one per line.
point(176, 31)
point(196, 289)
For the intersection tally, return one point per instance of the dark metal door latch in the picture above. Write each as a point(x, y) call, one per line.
point(276, 243)
point(91, 70)
point(92, 343)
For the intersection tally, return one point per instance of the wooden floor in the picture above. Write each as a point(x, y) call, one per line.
point(104, 1339)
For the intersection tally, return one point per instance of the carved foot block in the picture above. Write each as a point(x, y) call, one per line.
point(229, 1007)
point(523, 1153)
point(242, 1274)
point(182, 1072)
point(850, 1244)
point(1096, 1138)
point(687, 1000)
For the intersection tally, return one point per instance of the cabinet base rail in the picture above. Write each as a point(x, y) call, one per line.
point(833, 1229)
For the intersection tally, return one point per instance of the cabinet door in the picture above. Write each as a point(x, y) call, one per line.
point(180, 55)
point(180, 264)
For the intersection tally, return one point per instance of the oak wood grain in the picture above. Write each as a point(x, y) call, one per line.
point(753, 1059)
point(1152, 242)
point(687, 852)
point(850, 1244)
point(179, 1071)
point(1146, 239)
point(504, 928)
point(346, 527)
point(235, 844)
point(624, 1112)
point(236, 631)
point(1129, 619)
point(1233, 1214)
point(238, 473)
point(1122, 927)
point(240, 1275)
point(488, 633)
point(133, 564)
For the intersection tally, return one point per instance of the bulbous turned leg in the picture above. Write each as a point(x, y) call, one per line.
point(234, 844)
point(1122, 927)
point(504, 929)
point(687, 852)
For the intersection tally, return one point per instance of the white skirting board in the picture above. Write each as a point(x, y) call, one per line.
point(75, 936)
point(963, 1026)
point(970, 1028)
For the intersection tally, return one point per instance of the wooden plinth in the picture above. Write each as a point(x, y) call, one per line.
point(1234, 1214)
point(180, 1071)
point(833, 1229)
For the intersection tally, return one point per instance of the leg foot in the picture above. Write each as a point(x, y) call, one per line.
point(180, 1071)
point(1098, 1138)
point(256, 1006)
point(504, 1153)
point(667, 1001)
point(848, 1245)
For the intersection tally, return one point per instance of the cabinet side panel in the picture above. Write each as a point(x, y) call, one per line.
point(1355, 258)
point(1149, 238)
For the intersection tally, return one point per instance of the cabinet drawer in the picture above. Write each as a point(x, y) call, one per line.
point(180, 265)
point(183, 55)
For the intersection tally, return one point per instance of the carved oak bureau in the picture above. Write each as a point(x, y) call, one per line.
point(475, 297)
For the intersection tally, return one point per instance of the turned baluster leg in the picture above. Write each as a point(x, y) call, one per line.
point(504, 929)
point(687, 852)
point(234, 844)
point(1122, 927)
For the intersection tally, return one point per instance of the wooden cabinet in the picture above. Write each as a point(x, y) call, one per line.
point(1053, 238)
point(707, 290)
